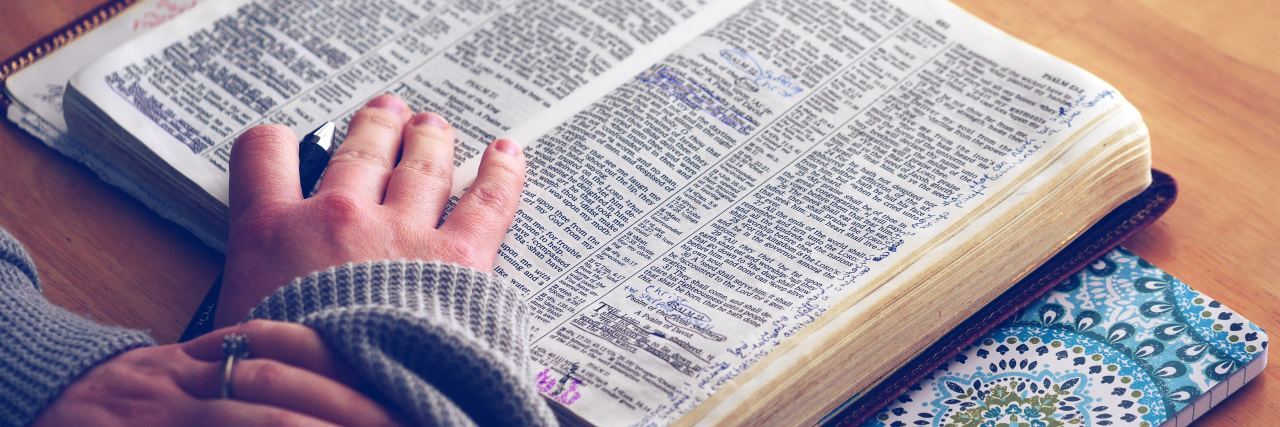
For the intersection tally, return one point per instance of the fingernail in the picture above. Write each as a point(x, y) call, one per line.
point(430, 119)
point(506, 146)
point(388, 102)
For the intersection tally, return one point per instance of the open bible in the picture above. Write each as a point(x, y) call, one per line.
point(736, 212)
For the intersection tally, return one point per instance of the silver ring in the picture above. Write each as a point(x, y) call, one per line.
point(234, 348)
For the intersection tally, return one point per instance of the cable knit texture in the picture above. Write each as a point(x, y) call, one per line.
point(447, 344)
point(43, 347)
point(444, 344)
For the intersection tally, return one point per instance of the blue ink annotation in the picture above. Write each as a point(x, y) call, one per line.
point(759, 76)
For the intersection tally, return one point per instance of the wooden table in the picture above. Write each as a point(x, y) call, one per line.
point(1206, 76)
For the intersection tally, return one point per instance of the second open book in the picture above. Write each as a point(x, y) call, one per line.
point(727, 201)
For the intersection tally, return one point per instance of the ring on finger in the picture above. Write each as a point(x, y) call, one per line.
point(234, 347)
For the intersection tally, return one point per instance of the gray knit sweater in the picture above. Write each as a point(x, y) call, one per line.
point(443, 344)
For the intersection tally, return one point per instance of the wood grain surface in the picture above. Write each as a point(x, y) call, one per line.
point(1205, 75)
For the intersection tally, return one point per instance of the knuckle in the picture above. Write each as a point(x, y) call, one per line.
point(339, 209)
point(260, 138)
point(430, 133)
point(262, 374)
point(360, 157)
point(146, 361)
point(256, 327)
point(376, 117)
point(507, 172)
point(492, 194)
point(434, 172)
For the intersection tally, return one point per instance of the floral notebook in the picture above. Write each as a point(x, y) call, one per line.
point(1119, 343)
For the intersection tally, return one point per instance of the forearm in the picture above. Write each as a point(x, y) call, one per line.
point(44, 348)
point(446, 344)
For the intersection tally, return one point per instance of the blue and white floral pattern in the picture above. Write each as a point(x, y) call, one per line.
point(1119, 343)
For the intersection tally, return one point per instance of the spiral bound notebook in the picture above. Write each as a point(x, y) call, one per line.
point(1119, 343)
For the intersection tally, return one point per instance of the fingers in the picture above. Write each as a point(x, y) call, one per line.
point(289, 368)
point(233, 413)
point(421, 181)
point(264, 167)
point(488, 207)
point(363, 162)
point(288, 387)
point(289, 343)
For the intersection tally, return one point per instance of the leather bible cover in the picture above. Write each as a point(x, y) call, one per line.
point(1099, 239)
point(1102, 237)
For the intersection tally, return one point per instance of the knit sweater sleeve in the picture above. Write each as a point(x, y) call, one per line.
point(43, 347)
point(447, 345)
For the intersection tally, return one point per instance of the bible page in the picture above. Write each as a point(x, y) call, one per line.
point(675, 230)
point(189, 87)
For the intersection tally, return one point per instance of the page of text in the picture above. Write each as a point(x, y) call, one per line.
point(675, 231)
point(486, 65)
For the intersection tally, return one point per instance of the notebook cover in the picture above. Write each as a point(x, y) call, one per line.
point(58, 38)
point(1098, 240)
point(1120, 342)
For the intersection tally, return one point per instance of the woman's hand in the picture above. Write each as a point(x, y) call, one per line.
point(381, 198)
point(289, 379)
